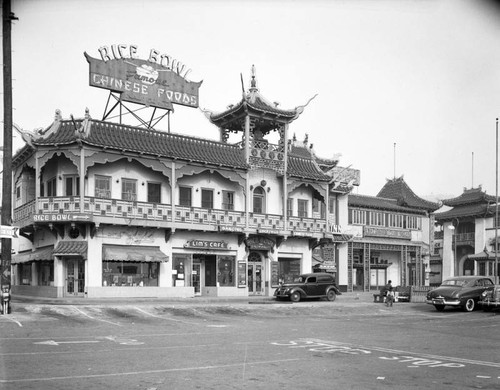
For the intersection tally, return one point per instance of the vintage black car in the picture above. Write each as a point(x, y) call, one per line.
point(314, 285)
point(459, 291)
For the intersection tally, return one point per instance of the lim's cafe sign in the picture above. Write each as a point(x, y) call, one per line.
point(159, 80)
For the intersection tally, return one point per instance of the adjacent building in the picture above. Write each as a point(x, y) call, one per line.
point(468, 231)
point(392, 236)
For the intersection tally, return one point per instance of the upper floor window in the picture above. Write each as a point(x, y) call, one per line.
point(357, 217)
point(52, 187)
point(102, 186)
point(377, 218)
point(185, 196)
point(396, 220)
point(129, 189)
point(154, 192)
point(228, 200)
point(302, 208)
point(259, 197)
point(207, 199)
point(413, 222)
point(71, 185)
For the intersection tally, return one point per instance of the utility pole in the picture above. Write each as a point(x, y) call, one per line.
point(8, 16)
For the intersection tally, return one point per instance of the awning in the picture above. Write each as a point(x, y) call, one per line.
point(71, 248)
point(40, 254)
point(484, 255)
point(133, 253)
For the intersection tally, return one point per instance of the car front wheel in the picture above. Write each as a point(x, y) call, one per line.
point(439, 307)
point(295, 297)
point(331, 296)
point(470, 304)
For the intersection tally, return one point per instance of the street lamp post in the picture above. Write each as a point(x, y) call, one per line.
point(496, 205)
point(454, 227)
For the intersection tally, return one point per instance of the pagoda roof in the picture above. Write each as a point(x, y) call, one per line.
point(302, 163)
point(379, 203)
point(398, 189)
point(253, 103)
point(470, 196)
point(467, 210)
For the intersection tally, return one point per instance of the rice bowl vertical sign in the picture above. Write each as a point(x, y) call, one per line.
point(158, 81)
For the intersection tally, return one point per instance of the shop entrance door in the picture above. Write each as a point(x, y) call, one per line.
point(255, 276)
point(196, 278)
point(75, 277)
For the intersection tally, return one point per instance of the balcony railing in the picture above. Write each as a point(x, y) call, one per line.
point(464, 238)
point(199, 218)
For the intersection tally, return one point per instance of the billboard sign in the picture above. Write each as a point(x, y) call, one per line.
point(158, 81)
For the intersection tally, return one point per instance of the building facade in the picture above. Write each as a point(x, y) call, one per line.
point(392, 236)
point(109, 210)
point(468, 232)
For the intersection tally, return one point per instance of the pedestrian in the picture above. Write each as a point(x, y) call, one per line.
point(389, 294)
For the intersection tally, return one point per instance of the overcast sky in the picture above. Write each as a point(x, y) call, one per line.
point(424, 75)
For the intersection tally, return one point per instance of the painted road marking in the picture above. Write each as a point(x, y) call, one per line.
point(94, 318)
point(167, 370)
point(53, 342)
point(165, 318)
point(7, 317)
point(418, 359)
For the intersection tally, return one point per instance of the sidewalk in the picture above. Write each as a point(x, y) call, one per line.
point(21, 300)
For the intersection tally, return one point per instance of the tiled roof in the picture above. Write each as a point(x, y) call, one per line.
point(150, 142)
point(470, 196)
point(74, 248)
point(378, 203)
point(468, 210)
point(302, 163)
point(398, 189)
point(123, 138)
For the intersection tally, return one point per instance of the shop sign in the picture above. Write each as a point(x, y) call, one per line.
point(268, 231)
point(8, 231)
point(66, 217)
point(202, 244)
point(388, 233)
point(301, 234)
point(233, 229)
point(158, 81)
point(259, 243)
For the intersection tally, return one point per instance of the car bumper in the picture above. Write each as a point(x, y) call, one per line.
point(489, 303)
point(443, 301)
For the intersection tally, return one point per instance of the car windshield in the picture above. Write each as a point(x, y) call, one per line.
point(455, 282)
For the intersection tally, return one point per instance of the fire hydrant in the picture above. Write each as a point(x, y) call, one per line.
point(5, 300)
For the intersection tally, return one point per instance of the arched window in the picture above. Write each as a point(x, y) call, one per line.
point(259, 200)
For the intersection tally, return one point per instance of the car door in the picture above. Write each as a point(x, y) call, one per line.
point(311, 286)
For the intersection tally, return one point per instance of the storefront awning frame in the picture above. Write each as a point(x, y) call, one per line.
point(39, 254)
point(133, 253)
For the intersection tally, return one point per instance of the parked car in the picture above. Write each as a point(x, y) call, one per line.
point(314, 285)
point(490, 298)
point(459, 291)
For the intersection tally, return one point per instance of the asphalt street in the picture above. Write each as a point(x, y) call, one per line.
point(351, 343)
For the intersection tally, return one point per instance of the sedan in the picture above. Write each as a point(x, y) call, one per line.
point(459, 291)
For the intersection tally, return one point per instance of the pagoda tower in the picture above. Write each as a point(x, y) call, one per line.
point(256, 118)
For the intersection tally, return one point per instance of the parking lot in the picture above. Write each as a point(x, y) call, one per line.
point(351, 342)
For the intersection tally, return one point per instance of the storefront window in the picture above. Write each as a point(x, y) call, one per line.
point(127, 273)
point(25, 273)
point(289, 269)
point(181, 270)
point(226, 271)
point(45, 270)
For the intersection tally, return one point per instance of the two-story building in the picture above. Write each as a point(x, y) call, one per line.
point(110, 210)
point(468, 234)
point(392, 236)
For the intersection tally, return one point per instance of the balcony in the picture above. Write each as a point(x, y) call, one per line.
point(464, 239)
point(134, 213)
